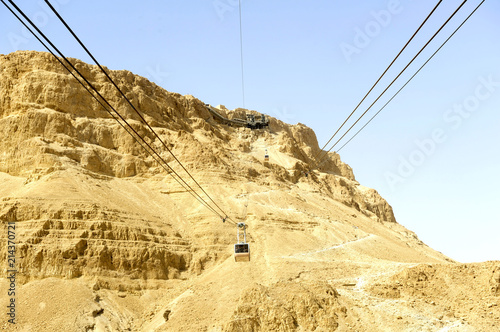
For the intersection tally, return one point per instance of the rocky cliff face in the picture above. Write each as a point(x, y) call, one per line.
point(93, 210)
point(50, 124)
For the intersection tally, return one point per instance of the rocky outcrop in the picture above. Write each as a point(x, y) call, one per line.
point(78, 238)
point(442, 286)
point(287, 306)
point(50, 124)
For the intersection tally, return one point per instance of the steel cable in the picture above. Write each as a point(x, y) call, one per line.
point(131, 105)
point(394, 80)
point(137, 136)
point(378, 80)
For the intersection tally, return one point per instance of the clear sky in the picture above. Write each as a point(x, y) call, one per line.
point(433, 153)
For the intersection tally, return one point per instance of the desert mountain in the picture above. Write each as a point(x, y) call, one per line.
point(108, 241)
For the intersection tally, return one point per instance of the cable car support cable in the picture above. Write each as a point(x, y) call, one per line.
point(387, 88)
point(378, 80)
point(382, 108)
point(131, 105)
point(153, 152)
point(241, 56)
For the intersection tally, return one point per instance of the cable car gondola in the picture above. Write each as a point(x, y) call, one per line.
point(242, 248)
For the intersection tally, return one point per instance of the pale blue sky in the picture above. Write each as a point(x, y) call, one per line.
point(295, 70)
